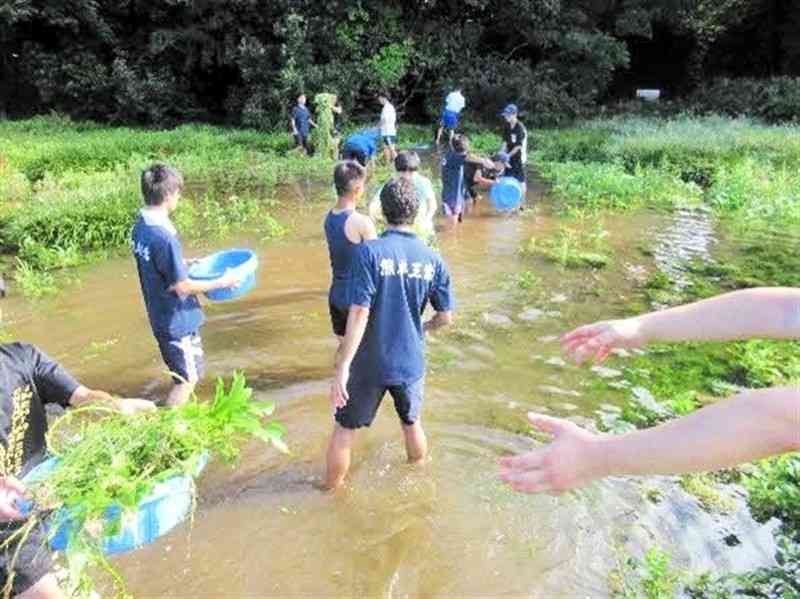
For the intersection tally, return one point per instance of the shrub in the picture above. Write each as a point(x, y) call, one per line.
point(776, 99)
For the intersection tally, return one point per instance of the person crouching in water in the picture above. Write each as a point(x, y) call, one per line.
point(392, 280)
point(480, 174)
point(407, 165)
point(345, 229)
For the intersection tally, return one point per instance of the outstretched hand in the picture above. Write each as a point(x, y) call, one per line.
point(595, 341)
point(11, 493)
point(571, 460)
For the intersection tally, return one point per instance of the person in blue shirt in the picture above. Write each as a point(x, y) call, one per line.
point(170, 296)
point(361, 146)
point(301, 124)
point(392, 281)
point(345, 229)
point(454, 187)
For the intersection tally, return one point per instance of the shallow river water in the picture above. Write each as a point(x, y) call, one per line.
point(449, 529)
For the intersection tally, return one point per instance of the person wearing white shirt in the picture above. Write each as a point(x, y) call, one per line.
point(453, 105)
point(388, 126)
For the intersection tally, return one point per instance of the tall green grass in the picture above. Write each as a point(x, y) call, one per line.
point(743, 169)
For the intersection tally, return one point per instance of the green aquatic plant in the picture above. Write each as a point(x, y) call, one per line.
point(652, 577)
point(322, 135)
point(117, 460)
point(571, 248)
point(34, 283)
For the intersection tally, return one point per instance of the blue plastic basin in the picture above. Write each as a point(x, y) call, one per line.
point(162, 510)
point(243, 262)
point(506, 194)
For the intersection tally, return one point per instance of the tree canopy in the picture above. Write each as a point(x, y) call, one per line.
point(243, 61)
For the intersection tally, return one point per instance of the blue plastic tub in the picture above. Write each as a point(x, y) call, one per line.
point(162, 510)
point(243, 262)
point(506, 194)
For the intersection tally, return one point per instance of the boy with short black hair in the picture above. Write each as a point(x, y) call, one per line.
point(345, 229)
point(301, 124)
point(392, 280)
point(170, 296)
point(515, 143)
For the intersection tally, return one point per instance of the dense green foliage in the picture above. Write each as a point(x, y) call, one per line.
point(243, 62)
point(742, 169)
point(117, 460)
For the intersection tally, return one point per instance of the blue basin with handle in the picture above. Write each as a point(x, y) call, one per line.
point(242, 262)
point(506, 194)
point(164, 508)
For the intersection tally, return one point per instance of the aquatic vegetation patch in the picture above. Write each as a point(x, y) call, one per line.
point(572, 247)
point(117, 460)
point(652, 577)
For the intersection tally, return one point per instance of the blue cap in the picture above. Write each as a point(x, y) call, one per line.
point(502, 157)
point(509, 110)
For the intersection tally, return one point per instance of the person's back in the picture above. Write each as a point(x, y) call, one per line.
point(410, 275)
point(361, 145)
point(453, 189)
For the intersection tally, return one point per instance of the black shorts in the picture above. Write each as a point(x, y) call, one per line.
point(338, 319)
point(353, 154)
point(302, 140)
point(183, 357)
point(365, 399)
point(516, 170)
point(33, 562)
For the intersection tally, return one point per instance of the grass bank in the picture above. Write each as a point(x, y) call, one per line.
point(744, 170)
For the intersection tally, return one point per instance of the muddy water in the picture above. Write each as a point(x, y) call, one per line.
point(448, 529)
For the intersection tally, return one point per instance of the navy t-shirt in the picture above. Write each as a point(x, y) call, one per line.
point(159, 259)
point(453, 176)
point(23, 367)
point(364, 141)
point(396, 276)
point(301, 118)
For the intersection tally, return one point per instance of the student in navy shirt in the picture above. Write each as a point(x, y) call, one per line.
point(454, 187)
point(31, 378)
point(361, 146)
point(170, 297)
point(345, 229)
point(301, 123)
point(392, 281)
point(515, 143)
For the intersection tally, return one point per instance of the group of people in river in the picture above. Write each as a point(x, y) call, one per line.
point(381, 288)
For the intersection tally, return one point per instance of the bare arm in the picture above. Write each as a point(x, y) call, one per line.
point(292, 125)
point(192, 287)
point(767, 312)
point(356, 325)
point(439, 320)
point(83, 396)
point(752, 425)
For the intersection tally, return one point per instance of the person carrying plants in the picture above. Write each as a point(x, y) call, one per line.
point(388, 125)
point(515, 143)
point(170, 296)
point(393, 279)
point(407, 165)
point(301, 124)
point(30, 381)
point(345, 229)
point(361, 146)
point(749, 426)
point(453, 105)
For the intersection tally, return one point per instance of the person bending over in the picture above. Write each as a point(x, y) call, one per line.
point(30, 381)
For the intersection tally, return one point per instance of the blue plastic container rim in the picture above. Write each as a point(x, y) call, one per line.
point(246, 264)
